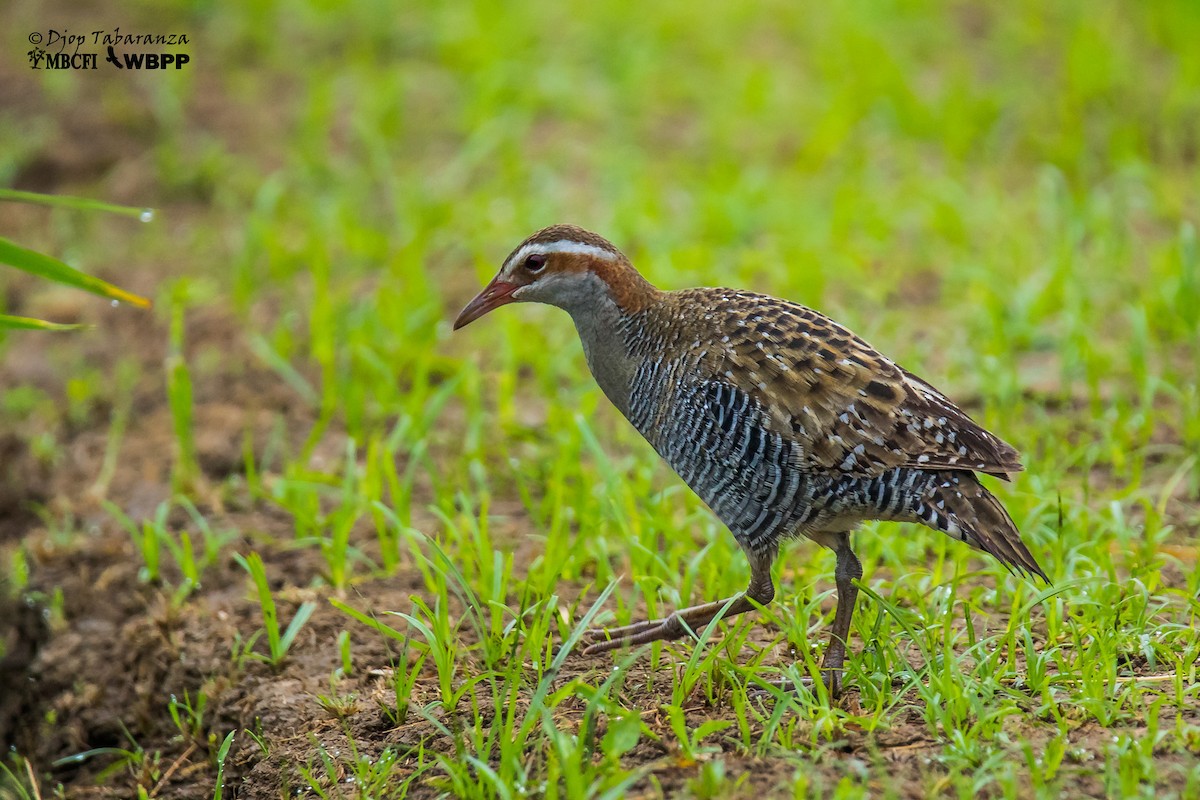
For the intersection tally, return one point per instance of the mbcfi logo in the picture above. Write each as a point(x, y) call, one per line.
point(68, 55)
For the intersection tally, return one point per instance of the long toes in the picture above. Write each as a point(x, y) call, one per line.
point(623, 632)
point(602, 640)
point(652, 630)
point(782, 684)
point(616, 643)
point(602, 647)
point(636, 628)
point(832, 679)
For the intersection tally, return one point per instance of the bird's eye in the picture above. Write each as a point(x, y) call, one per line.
point(535, 262)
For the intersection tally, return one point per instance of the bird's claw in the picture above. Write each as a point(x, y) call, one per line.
point(604, 639)
point(833, 684)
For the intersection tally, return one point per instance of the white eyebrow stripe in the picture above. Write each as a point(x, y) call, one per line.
point(562, 246)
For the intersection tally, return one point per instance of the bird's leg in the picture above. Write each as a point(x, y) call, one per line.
point(847, 572)
point(761, 591)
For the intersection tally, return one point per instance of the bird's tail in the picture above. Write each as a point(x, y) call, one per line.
point(957, 504)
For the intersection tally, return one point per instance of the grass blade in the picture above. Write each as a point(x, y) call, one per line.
point(9, 322)
point(302, 614)
point(369, 621)
point(78, 203)
point(45, 266)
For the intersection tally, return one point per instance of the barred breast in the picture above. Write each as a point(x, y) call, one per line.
point(713, 436)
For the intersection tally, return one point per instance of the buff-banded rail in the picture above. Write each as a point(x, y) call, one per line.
point(784, 422)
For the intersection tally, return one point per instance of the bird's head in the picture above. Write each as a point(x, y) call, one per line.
point(564, 266)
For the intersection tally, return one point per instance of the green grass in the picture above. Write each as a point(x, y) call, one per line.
point(1002, 200)
point(51, 269)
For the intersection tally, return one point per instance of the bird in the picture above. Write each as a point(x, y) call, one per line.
point(784, 422)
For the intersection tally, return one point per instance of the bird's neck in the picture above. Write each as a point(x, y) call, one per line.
point(604, 324)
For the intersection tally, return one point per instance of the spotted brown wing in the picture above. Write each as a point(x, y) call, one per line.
point(851, 409)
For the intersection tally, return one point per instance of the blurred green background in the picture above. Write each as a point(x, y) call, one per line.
point(1002, 197)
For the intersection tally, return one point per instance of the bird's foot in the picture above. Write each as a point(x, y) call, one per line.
point(675, 626)
point(832, 678)
point(649, 630)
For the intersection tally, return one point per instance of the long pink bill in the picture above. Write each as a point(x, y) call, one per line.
point(495, 294)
